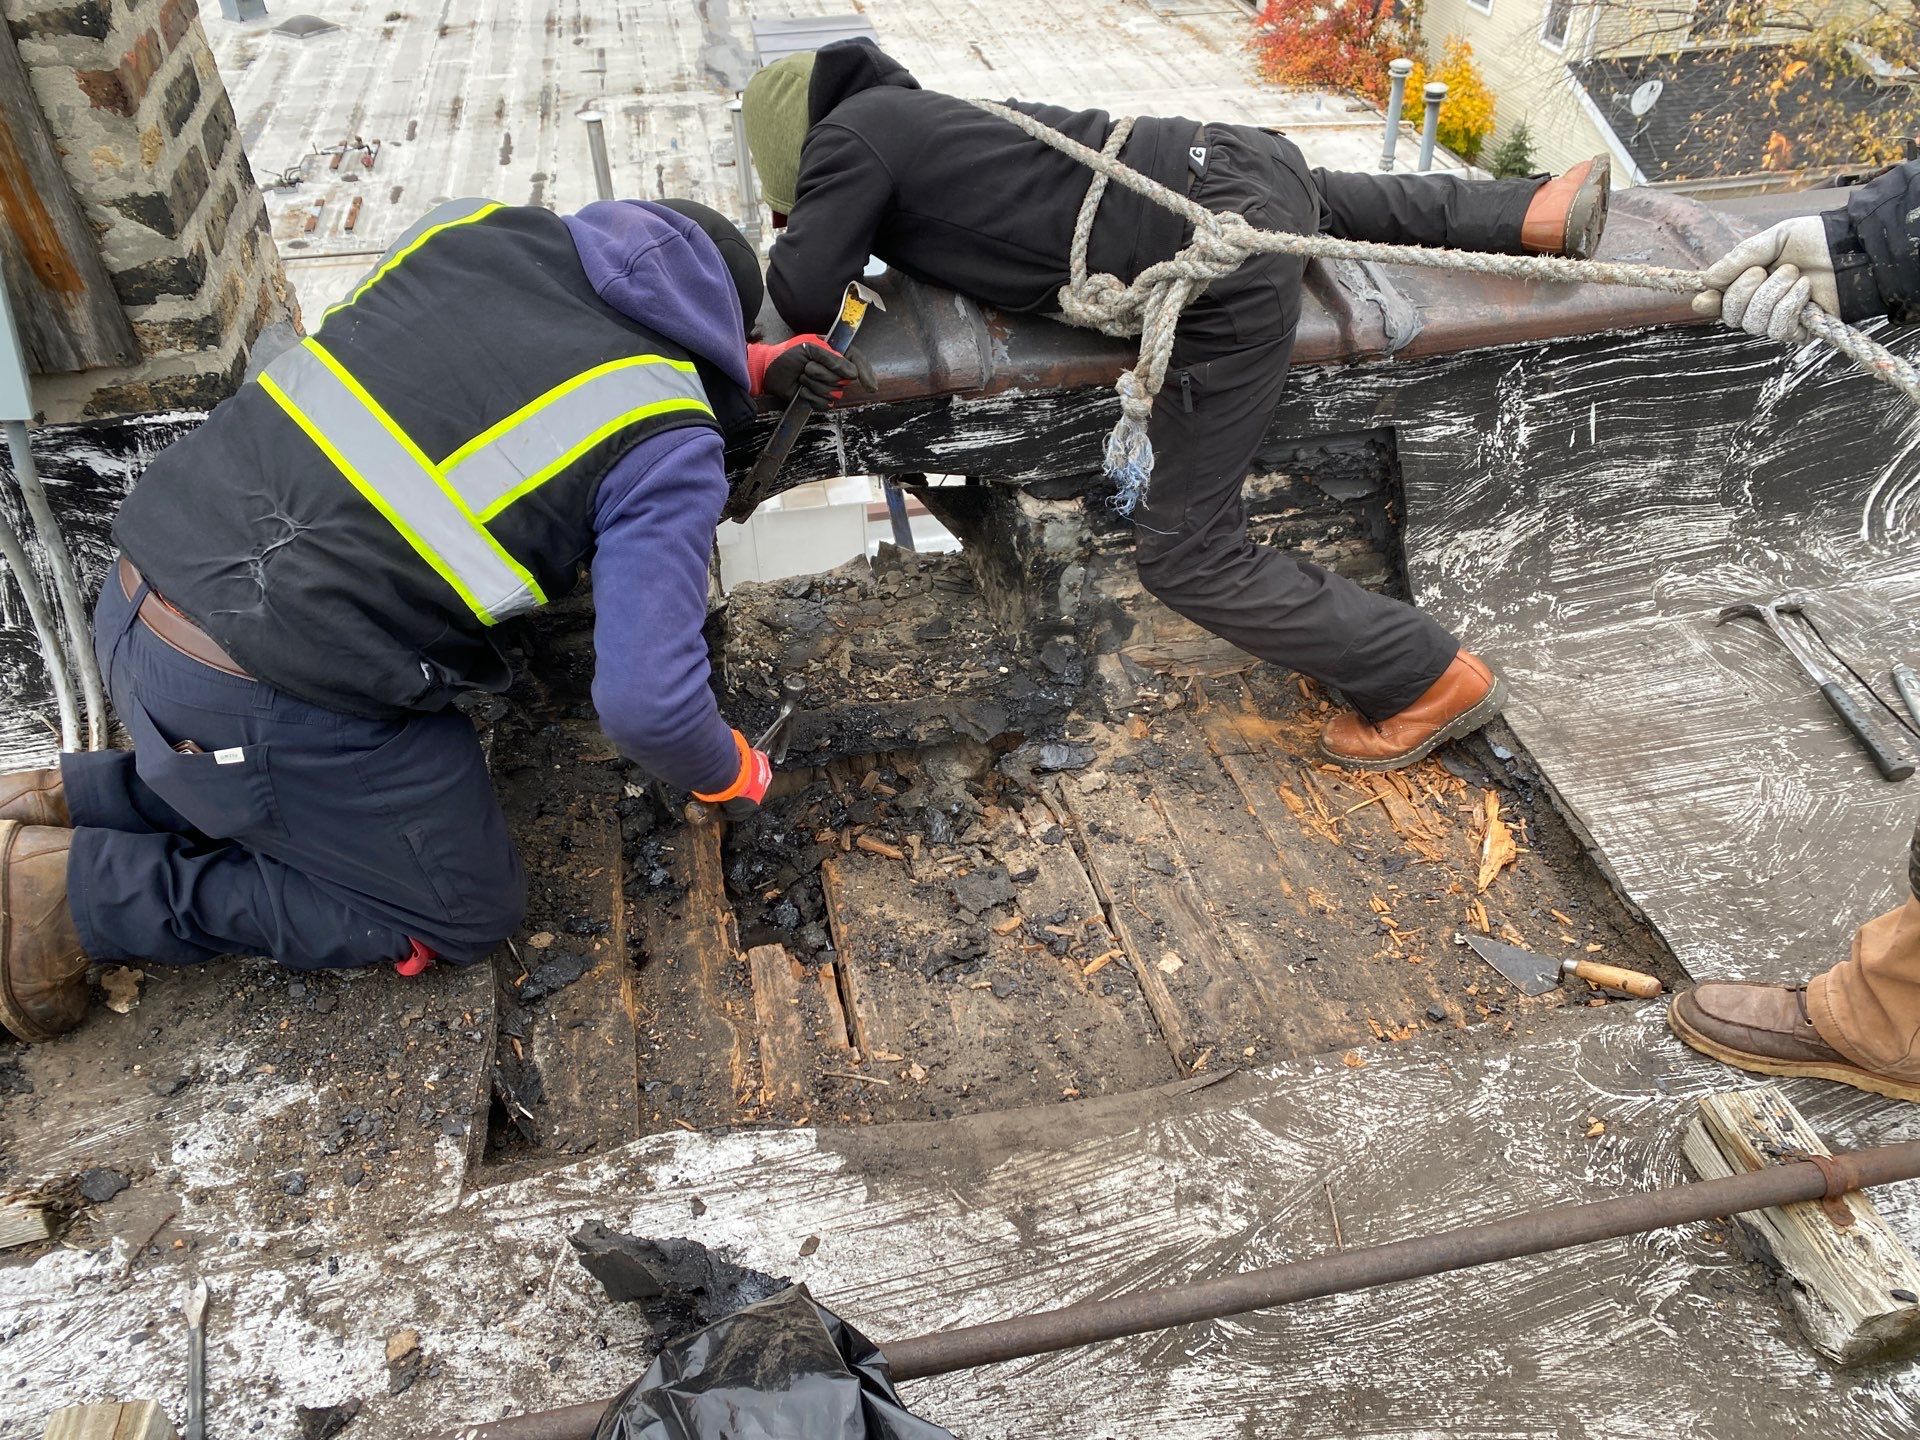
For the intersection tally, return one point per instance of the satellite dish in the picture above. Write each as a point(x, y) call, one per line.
point(1645, 97)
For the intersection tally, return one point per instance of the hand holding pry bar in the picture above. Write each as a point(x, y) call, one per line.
point(772, 740)
point(854, 304)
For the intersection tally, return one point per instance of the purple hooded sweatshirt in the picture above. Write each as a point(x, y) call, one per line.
point(658, 505)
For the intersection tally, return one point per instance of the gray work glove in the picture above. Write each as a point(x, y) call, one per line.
point(1762, 283)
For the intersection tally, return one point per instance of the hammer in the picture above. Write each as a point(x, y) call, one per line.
point(1890, 766)
point(773, 740)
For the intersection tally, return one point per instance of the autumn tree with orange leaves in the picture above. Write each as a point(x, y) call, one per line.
point(1335, 44)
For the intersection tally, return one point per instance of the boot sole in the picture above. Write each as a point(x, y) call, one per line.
point(1584, 229)
point(1465, 723)
point(1842, 1074)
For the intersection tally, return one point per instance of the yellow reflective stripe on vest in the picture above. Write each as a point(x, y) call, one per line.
point(381, 461)
point(441, 217)
point(517, 455)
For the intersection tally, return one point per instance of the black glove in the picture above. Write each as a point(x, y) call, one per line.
point(806, 366)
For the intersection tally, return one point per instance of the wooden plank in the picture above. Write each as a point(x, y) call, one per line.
point(1208, 1002)
point(583, 1036)
point(23, 1222)
point(111, 1420)
point(1851, 1286)
point(1019, 1005)
point(695, 992)
point(802, 1028)
point(64, 303)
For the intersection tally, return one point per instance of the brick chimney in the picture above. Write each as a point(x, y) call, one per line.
point(145, 133)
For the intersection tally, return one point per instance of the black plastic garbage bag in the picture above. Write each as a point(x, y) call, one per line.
point(784, 1369)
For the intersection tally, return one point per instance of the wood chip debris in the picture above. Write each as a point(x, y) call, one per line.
point(880, 847)
point(1497, 847)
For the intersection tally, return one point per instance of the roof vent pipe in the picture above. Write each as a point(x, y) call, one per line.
point(596, 124)
point(1436, 94)
point(1398, 70)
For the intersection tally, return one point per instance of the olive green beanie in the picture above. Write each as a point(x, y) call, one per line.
point(774, 108)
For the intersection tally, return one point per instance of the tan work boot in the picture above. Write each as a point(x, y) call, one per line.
point(43, 970)
point(1567, 214)
point(1466, 696)
point(1765, 1028)
point(34, 797)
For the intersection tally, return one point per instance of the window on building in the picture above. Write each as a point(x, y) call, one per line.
point(1485, 7)
point(1554, 31)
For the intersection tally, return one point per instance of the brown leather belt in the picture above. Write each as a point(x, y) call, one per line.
point(174, 628)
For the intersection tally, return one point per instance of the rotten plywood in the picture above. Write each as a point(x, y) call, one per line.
point(1028, 999)
point(1280, 906)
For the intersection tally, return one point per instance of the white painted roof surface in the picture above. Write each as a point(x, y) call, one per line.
point(480, 98)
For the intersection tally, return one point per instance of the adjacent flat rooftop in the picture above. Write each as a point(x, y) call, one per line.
point(482, 98)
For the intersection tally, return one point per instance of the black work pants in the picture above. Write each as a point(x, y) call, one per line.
point(322, 839)
point(1229, 364)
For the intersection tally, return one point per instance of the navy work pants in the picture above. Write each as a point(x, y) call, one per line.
point(1228, 367)
point(321, 839)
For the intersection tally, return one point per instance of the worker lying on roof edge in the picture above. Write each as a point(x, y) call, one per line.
point(1859, 1022)
point(859, 159)
point(311, 576)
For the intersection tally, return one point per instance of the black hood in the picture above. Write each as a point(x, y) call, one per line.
point(847, 67)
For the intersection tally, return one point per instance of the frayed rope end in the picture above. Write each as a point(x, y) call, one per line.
point(1129, 464)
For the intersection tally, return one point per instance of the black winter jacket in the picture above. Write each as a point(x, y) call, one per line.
point(954, 196)
point(1875, 242)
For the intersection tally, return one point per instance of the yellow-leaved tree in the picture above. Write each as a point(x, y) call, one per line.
point(1466, 115)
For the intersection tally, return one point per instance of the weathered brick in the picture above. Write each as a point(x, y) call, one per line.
point(219, 214)
point(170, 213)
point(186, 332)
point(175, 18)
point(171, 275)
point(89, 18)
point(217, 128)
point(138, 66)
point(105, 90)
point(183, 97)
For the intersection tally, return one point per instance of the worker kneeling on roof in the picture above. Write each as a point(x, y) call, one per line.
point(859, 159)
point(312, 576)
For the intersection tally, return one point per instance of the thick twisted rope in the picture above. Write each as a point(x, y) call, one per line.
point(1150, 307)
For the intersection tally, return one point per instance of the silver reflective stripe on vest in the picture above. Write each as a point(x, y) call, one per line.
point(386, 467)
point(540, 439)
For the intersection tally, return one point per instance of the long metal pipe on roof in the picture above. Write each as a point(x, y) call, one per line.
point(1539, 1232)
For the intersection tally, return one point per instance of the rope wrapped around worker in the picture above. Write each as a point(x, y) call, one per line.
point(1151, 305)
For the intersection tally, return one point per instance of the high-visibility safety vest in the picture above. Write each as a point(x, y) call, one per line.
point(353, 524)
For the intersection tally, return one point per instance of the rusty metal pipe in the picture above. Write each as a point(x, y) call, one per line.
point(1558, 1228)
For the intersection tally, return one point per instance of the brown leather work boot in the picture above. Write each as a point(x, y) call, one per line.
point(1765, 1028)
point(1465, 697)
point(43, 970)
point(34, 797)
point(1567, 214)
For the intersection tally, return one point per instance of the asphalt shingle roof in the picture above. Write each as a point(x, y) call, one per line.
point(1739, 110)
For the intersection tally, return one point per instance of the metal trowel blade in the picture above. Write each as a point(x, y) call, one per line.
point(1533, 974)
